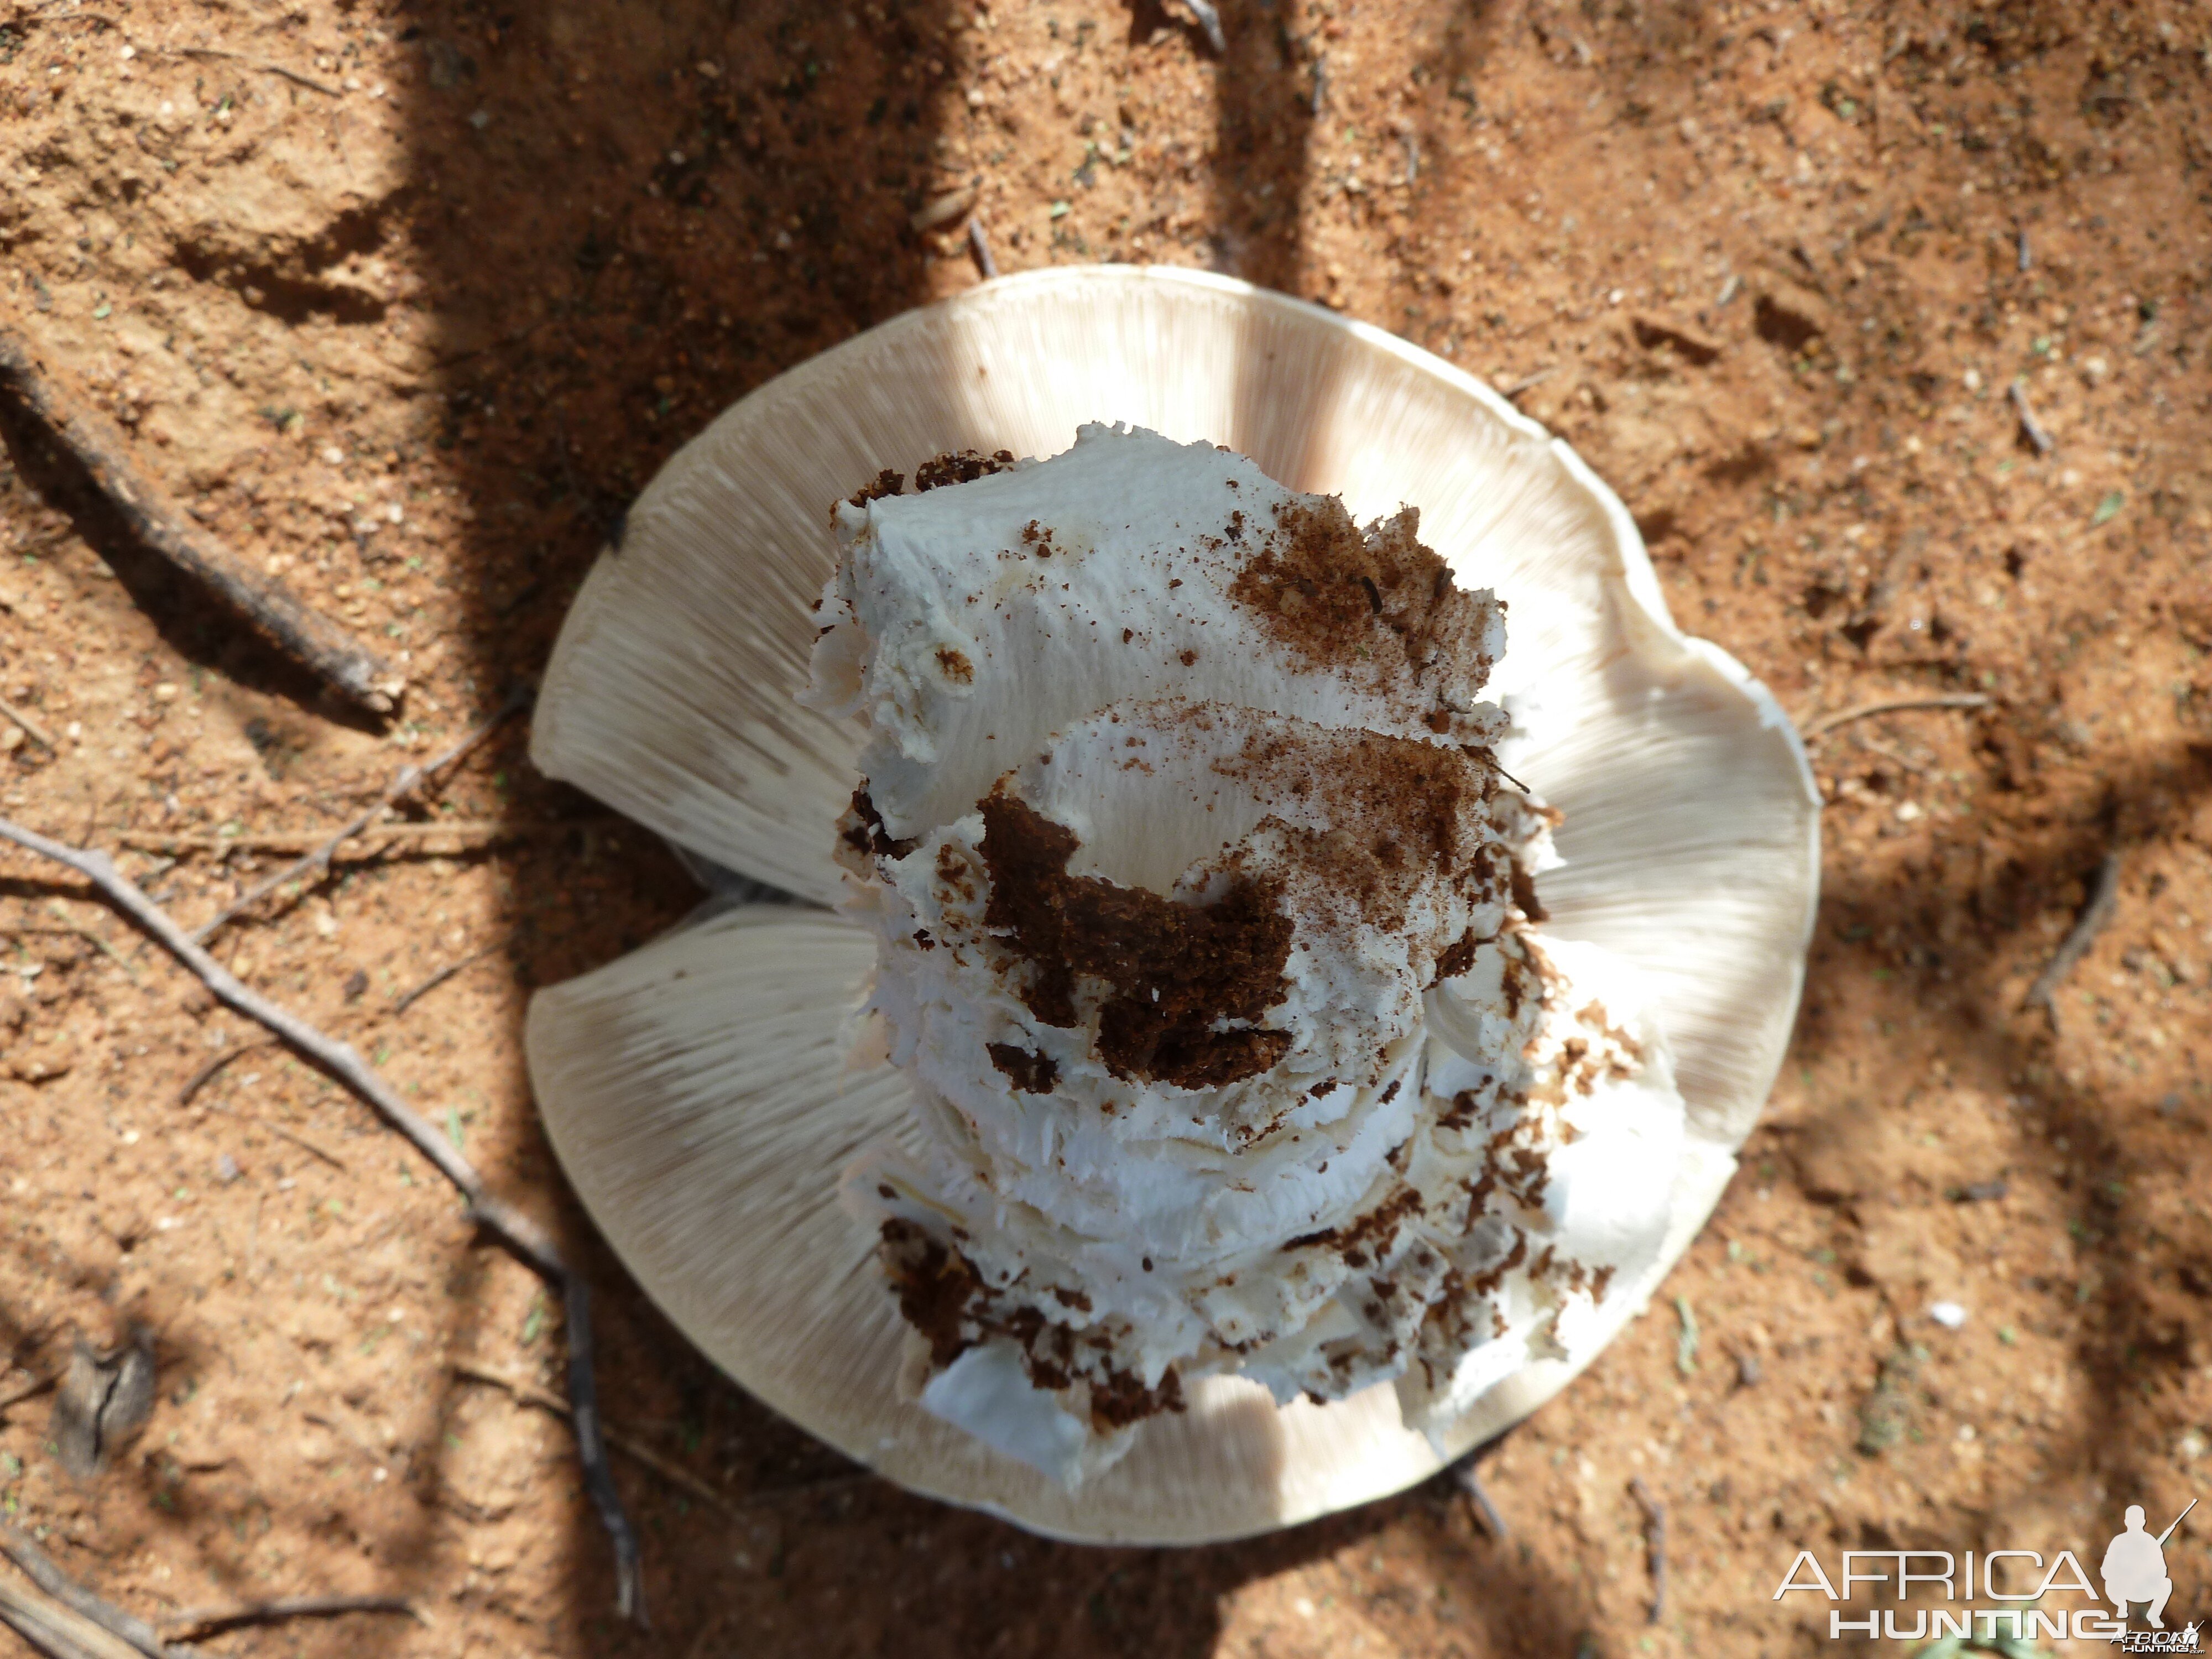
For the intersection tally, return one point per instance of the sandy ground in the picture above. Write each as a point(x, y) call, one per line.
point(404, 302)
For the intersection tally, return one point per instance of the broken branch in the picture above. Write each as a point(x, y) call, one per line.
point(2033, 428)
point(404, 783)
point(1209, 21)
point(441, 977)
point(30, 1390)
point(1655, 1545)
point(31, 729)
point(2104, 899)
point(16, 1544)
point(385, 836)
point(979, 244)
point(1528, 382)
point(529, 1394)
point(54, 1629)
point(1827, 723)
point(203, 1622)
point(205, 1075)
point(310, 638)
point(527, 1242)
point(217, 55)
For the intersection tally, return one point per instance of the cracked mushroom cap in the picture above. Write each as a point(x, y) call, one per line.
point(700, 1091)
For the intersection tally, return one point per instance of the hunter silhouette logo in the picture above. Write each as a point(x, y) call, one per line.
point(2134, 1573)
point(2134, 1567)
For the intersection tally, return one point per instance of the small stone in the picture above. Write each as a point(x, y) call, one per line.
point(1949, 1315)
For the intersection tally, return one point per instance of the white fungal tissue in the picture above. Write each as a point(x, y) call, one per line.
point(1207, 935)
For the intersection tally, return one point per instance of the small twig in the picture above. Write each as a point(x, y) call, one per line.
point(308, 637)
point(979, 244)
point(203, 1622)
point(404, 783)
point(441, 977)
point(2036, 434)
point(1468, 1481)
point(54, 1629)
point(30, 1390)
point(384, 835)
point(1209, 21)
point(521, 1237)
point(1902, 763)
point(31, 729)
point(2027, 259)
point(216, 54)
point(1686, 1343)
point(205, 1075)
point(2104, 900)
point(1655, 1545)
point(1528, 382)
point(301, 1142)
point(1827, 723)
point(201, 1078)
point(529, 1394)
point(16, 1544)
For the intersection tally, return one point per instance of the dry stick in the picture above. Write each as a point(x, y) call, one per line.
point(203, 1622)
point(441, 977)
point(1655, 1545)
point(31, 729)
point(1827, 723)
point(1209, 20)
point(1470, 1482)
point(979, 244)
point(303, 840)
point(16, 1544)
point(55, 1630)
point(201, 1078)
point(216, 54)
point(523, 1237)
point(30, 1390)
point(301, 1142)
point(308, 637)
point(404, 783)
point(2104, 899)
point(1528, 382)
point(531, 1394)
point(205, 1075)
point(2044, 442)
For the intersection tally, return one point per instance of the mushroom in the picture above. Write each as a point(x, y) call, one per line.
point(704, 1092)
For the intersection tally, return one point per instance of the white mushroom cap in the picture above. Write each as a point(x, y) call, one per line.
point(702, 1092)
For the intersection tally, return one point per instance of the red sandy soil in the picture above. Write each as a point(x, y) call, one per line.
point(411, 322)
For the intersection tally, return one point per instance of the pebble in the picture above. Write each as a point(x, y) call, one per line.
point(227, 1169)
point(1949, 1315)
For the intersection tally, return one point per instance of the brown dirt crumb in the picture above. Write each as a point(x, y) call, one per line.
point(1032, 1073)
point(1174, 968)
point(887, 483)
point(959, 467)
point(1376, 601)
